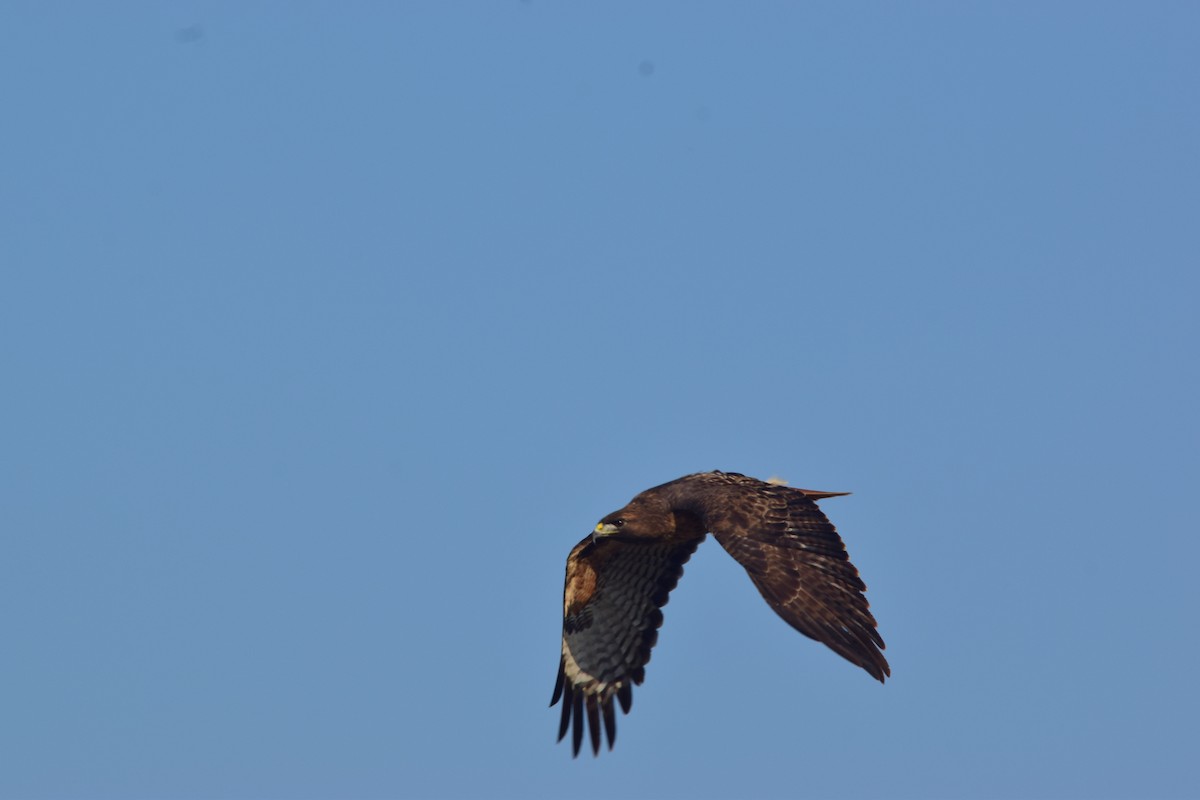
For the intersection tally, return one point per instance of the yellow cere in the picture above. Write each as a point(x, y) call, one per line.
point(599, 527)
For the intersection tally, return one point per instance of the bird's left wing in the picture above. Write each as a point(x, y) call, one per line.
point(795, 558)
point(611, 614)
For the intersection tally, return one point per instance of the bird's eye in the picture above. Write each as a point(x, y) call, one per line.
point(620, 523)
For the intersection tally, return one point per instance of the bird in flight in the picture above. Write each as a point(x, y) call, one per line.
point(619, 577)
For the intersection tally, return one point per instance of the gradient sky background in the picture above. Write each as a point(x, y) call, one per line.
point(327, 330)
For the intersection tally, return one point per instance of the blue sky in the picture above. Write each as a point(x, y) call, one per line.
point(327, 330)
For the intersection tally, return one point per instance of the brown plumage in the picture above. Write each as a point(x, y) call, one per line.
point(619, 577)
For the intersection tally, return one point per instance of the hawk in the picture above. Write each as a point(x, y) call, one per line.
point(619, 577)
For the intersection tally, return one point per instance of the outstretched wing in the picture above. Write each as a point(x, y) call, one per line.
point(795, 557)
point(611, 601)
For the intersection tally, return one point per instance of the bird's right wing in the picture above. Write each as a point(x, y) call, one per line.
point(611, 614)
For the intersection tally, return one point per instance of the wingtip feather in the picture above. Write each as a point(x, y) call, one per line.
point(565, 720)
point(577, 728)
point(593, 720)
point(625, 696)
point(558, 684)
point(610, 722)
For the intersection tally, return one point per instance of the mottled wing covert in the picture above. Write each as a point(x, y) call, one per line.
point(795, 557)
point(614, 590)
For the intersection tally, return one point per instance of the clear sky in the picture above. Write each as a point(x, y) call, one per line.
point(327, 329)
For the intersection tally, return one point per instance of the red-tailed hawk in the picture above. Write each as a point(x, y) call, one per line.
point(618, 579)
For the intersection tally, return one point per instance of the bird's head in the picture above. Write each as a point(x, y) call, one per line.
point(636, 519)
point(615, 525)
point(642, 518)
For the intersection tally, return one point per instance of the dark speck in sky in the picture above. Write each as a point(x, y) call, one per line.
point(192, 33)
point(646, 68)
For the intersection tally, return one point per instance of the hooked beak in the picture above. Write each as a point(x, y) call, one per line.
point(603, 529)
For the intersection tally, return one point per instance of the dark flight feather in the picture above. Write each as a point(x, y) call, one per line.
point(577, 732)
point(610, 723)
